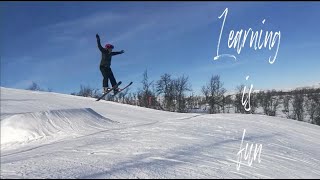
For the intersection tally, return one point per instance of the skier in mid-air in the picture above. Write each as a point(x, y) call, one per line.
point(105, 65)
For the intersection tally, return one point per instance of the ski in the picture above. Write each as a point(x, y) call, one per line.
point(121, 89)
point(104, 94)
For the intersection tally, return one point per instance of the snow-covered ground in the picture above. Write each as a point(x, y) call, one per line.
point(50, 135)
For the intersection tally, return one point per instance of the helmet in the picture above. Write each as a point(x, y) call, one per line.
point(109, 46)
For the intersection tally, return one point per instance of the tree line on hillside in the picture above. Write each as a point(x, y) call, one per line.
point(175, 95)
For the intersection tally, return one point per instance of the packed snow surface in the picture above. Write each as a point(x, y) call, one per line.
point(51, 135)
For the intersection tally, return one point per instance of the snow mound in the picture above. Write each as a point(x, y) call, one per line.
point(66, 122)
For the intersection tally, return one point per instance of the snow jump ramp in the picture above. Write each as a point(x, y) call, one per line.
point(65, 122)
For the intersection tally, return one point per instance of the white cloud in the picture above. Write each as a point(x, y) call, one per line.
point(126, 25)
point(84, 24)
point(146, 24)
point(132, 32)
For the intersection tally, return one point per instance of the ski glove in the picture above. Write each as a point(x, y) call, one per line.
point(122, 51)
point(97, 36)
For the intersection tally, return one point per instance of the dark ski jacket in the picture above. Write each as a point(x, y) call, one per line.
point(105, 55)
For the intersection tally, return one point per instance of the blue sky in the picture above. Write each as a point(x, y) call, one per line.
point(54, 44)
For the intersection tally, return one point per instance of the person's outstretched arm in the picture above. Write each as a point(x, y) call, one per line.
point(99, 43)
point(117, 52)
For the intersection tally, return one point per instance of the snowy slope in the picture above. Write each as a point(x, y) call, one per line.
point(50, 135)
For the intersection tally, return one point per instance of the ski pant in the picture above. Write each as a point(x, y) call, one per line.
point(107, 74)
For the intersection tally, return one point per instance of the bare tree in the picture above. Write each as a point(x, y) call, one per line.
point(286, 106)
point(87, 91)
point(238, 100)
point(275, 105)
point(254, 103)
point(269, 102)
point(123, 94)
point(193, 102)
point(34, 87)
point(298, 106)
point(131, 99)
point(145, 95)
point(313, 107)
point(214, 93)
point(165, 87)
point(228, 103)
point(181, 85)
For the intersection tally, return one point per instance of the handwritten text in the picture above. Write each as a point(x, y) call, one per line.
point(238, 39)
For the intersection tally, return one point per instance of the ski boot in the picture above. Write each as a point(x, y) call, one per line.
point(106, 89)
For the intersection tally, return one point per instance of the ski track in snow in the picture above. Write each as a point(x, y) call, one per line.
point(77, 137)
